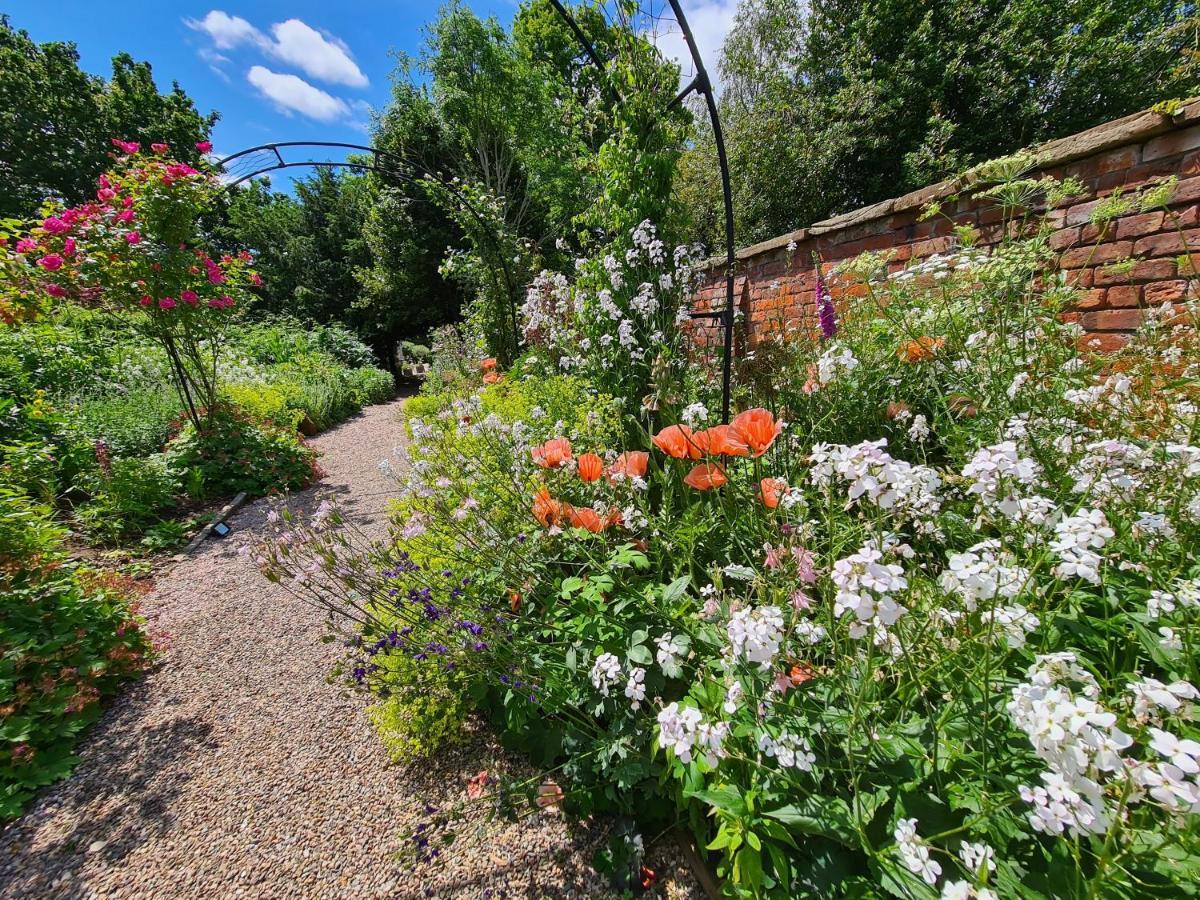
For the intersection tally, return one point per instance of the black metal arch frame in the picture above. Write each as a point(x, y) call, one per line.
point(700, 84)
point(388, 165)
point(405, 170)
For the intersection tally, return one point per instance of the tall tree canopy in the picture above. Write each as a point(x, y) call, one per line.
point(831, 104)
point(56, 120)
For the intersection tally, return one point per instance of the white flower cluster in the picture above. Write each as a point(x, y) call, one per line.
point(872, 473)
point(1076, 540)
point(835, 359)
point(684, 730)
point(755, 634)
point(1185, 595)
point(1110, 469)
point(914, 852)
point(865, 584)
point(671, 649)
point(939, 265)
point(982, 573)
point(789, 750)
point(606, 672)
point(1150, 696)
point(994, 471)
point(1076, 737)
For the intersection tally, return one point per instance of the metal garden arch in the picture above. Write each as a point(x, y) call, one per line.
point(266, 158)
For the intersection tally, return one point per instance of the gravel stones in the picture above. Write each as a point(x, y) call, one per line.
point(235, 770)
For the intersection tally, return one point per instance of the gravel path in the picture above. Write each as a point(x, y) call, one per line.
point(235, 770)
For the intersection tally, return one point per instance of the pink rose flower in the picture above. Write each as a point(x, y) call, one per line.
point(146, 300)
point(126, 146)
point(105, 194)
point(27, 245)
point(167, 303)
point(55, 290)
point(133, 237)
point(51, 262)
point(159, 148)
point(125, 215)
point(188, 297)
point(69, 247)
point(204, 146)
point(55, 225)
point(216, 276)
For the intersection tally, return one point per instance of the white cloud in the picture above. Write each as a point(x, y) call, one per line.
point(319, 55)
point(710, 20)
point(291, 93)
point(225, 30)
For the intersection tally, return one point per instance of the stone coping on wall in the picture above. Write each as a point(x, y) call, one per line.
point(1140, 127)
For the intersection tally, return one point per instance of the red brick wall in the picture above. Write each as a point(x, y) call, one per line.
point(774, 288)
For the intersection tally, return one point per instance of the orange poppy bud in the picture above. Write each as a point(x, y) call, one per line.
point(514, 600)
point(770, 490)
point(630, 464)
point(591, 467)
point(896, 408)
point(722, 440)
point(705, 477)
point(758, 429)
point(677, 441)
point(800, 673)
point(553, 454)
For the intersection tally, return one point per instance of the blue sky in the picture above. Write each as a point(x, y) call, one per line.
point(295, 70)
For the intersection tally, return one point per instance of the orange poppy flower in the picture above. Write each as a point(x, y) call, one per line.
point(921, 349)
point(722, 440)
point(553, 454)
point(586, 517)
point(630, 464)
point(486, 365)
point(758, 428)
point(800, 673)
point(614, 518)
point(547, 510)
point(770, 490)
point(591, 467)
point(678, 441)
point(705, 477)
point(491, 378)
point(514, 600)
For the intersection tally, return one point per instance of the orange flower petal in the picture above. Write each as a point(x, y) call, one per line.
point(677, 441)
point(705, 477)
point(591, 467)
point(552, 454)
point(758, 429)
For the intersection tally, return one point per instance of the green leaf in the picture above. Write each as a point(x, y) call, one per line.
point(676, 589)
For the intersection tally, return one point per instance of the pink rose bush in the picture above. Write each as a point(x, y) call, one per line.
point(136, 250)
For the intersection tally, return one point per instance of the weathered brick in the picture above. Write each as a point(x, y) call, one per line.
point(1117, 160)
point(1080, 213)
point(1168, 243)
point(1172, 143)
point(1146, 270)
point(1187, 191)
point(1095, 255)
point(1093, 299)
point(1136, 226)
point(1160, 292)
point(1064, 238)
point(1080, 277)
point(1112, 320)
point(1124, 296)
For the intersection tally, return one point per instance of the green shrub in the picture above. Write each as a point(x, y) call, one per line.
point(236, 454)
point(266, 402)
point(369, 386)
point(134, 424)
point(68, 637)
point(127, 496)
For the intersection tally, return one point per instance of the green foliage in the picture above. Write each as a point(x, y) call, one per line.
point(132, 424)
point(234, 453)
point(126, 497)
point(425, 712)
point(68, 638)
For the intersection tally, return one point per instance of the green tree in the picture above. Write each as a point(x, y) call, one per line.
point(831, 104)
point(56, 120)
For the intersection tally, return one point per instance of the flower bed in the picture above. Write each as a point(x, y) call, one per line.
point(923, 626)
